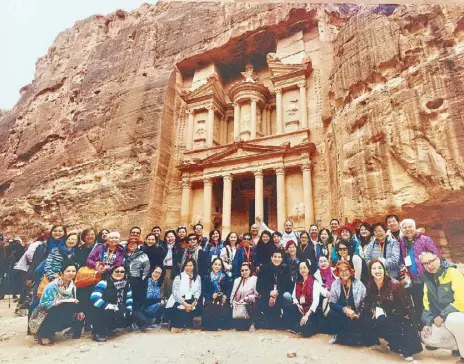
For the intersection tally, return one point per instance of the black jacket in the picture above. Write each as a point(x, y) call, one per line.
point(207, 287)
point(156, 255)
point(270, 275)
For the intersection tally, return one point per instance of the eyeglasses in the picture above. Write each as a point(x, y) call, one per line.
point(119, 271)
point(342, 249)
point(193, 239)
point(430, 262)
point(135, 232)
point(246, 238)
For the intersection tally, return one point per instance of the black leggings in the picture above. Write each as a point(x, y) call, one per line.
point(104, 321)
point(58, 318)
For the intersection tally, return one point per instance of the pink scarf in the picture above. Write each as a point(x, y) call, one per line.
point(327, 277)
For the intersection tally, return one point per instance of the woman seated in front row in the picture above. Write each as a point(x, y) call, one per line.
point(150, 313)
point(245, 295)
point(112, 299)
point(58, 308)
point(387, 309)
point(324, 277)
point(306, 301)
point(216, 288)
point(183, 302)
point(346, 296)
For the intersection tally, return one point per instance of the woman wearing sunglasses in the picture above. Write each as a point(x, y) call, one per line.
point(244, 293)
point(245, 253)
point(112, 298)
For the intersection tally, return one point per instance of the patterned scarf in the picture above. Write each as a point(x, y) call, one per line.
point(216, 280)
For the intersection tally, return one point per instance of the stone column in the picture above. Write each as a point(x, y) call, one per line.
point(227, 204)
point(259, 193)
point(236, 120)
point(189, 136)
point(303, 106)
point(264, 121)
point(185, 202)
point(253, 118)
point(308, 194)
point(223, 130)
point(210, 131)
point(281, 199)
point(279, 113)
point(207, 199)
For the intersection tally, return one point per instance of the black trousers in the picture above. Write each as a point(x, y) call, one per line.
point(312, 325)
point(105, 321)
point(417, 294)
point(181, 318)
point(400, 334)
point(59, 318)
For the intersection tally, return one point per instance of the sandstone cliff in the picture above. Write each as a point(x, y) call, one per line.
point(96, 137)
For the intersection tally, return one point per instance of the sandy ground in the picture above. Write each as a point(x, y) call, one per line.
point(190, 346)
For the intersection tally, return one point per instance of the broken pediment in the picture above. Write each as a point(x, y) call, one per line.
point(284, 72)
point(211, 89)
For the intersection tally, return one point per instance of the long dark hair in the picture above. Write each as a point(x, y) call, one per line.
point(265, 232)
point(222, 264)
point(299, 277)
point(170, 231)
point(348, 246)
point(211, 235)
point(227, 241)
point(99, 239)
point(362, 240)
point(195, 270)
point(372, 291)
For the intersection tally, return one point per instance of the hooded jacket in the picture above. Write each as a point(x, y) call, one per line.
point(443, 293)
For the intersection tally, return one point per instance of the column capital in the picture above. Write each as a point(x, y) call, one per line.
point(258, 173)
point(228, 177)
point(186, 182)
point(280, 170)
point(278, 91)
point(210, 107)
point(302, 84)
point(207, 181)
point(254, 99)
point(306, 166)
point(190, 111)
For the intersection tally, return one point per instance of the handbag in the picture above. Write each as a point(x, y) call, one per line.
point(37, 318)
point(43, 283)
point(239, 309)
point(86, 277)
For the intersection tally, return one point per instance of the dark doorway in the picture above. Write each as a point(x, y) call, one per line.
point(251, 211)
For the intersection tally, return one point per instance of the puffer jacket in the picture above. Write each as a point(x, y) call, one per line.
point(137, 265)
point(446, 296)
point(421, 243)
point(390, 256)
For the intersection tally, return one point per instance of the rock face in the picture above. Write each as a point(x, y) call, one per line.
point(97, 136)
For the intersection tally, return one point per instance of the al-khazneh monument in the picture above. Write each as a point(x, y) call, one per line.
point(183, 112)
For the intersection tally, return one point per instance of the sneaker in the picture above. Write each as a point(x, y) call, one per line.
point(455, 353)
point(252, 328)
point(407, 358)
point(135, 327)
point(333, 340)
point(430, 348)
point(154, 326)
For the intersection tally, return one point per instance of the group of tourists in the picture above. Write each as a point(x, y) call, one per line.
point(357, 282)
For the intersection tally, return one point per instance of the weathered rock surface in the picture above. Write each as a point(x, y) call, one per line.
point(96, 137)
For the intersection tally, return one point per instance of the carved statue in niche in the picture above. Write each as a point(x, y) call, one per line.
point(201, 129)
point(245, 122)
point(298, 214)
point(292, 108)
point(249, 74)
point(258, 121)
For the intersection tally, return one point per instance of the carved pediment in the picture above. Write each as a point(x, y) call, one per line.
point(211, 89)
point(242, 151)
point(281, 71)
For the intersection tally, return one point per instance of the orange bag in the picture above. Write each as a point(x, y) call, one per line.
point(86, 277)
point(43, 283)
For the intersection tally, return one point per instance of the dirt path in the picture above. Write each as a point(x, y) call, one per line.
point(191, 346)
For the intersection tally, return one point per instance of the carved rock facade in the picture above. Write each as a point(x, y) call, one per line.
point(100, 136)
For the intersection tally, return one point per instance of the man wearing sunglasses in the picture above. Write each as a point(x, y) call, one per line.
point(443, 314)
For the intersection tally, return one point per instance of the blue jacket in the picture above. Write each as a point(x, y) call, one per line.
point(240, 258)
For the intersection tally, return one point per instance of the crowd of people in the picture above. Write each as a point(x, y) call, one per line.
point(357, 282)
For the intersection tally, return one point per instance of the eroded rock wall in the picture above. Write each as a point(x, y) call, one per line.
point(96, 137)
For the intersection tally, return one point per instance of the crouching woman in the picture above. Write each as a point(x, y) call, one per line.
point(58, 308)
point(112, 299)
point(182, 305)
